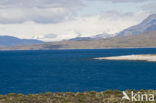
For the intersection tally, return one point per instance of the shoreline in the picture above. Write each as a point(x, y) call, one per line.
point(76, 49)
point(145, 57)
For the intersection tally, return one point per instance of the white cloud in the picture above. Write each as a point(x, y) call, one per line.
point(124, 1)
point(46, 15)
point(39, 3)
point(150, 7)
point(39, 11)
point(107, 22)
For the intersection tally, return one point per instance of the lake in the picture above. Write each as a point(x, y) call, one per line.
point(74, 70)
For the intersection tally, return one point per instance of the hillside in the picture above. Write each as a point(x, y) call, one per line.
point(149, 24)
point(7, 41)
point(147, 39)
point(144, 40)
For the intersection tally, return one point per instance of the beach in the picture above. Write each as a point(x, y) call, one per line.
point(149, 57)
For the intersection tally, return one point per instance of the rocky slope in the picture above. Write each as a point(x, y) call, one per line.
point(149, 24)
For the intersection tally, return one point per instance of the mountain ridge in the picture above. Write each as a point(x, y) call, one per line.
point(145, 40)
point(8, 41)
point(142, 35)
point(149, 24)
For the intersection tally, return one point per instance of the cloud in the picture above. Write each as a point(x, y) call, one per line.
point(46, 15)
point(124, 1)
point(107, 22)
point(43, 11)
point(39, 3)
point(150, 7)
point(39, 11)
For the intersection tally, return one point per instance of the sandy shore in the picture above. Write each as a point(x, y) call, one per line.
point(150, 58)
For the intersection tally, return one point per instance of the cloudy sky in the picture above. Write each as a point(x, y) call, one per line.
point(53, 20)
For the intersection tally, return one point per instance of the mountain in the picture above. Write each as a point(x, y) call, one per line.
point(7, 41)
point(98, 36)
point(102, 36)
point(142, 35)
point(149, 24)
point(144, 40)
point(80, 39)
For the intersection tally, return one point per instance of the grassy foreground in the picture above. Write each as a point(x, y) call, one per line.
point(70, 97)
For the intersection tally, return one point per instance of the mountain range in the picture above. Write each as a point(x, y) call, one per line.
point(149, 24)
point(97, 37)
point(8, 41)
point(141, 35)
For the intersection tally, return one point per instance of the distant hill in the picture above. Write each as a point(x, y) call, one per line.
point(80, 39)
point(149, 24)
point(7, 41)
point(95, 37)
point(145, 40)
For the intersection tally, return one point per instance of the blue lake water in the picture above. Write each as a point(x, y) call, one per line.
point(74, 70)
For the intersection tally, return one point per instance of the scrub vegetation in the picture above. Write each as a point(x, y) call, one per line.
point(107, 96)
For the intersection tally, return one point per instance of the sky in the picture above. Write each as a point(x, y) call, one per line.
point(55, 20)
